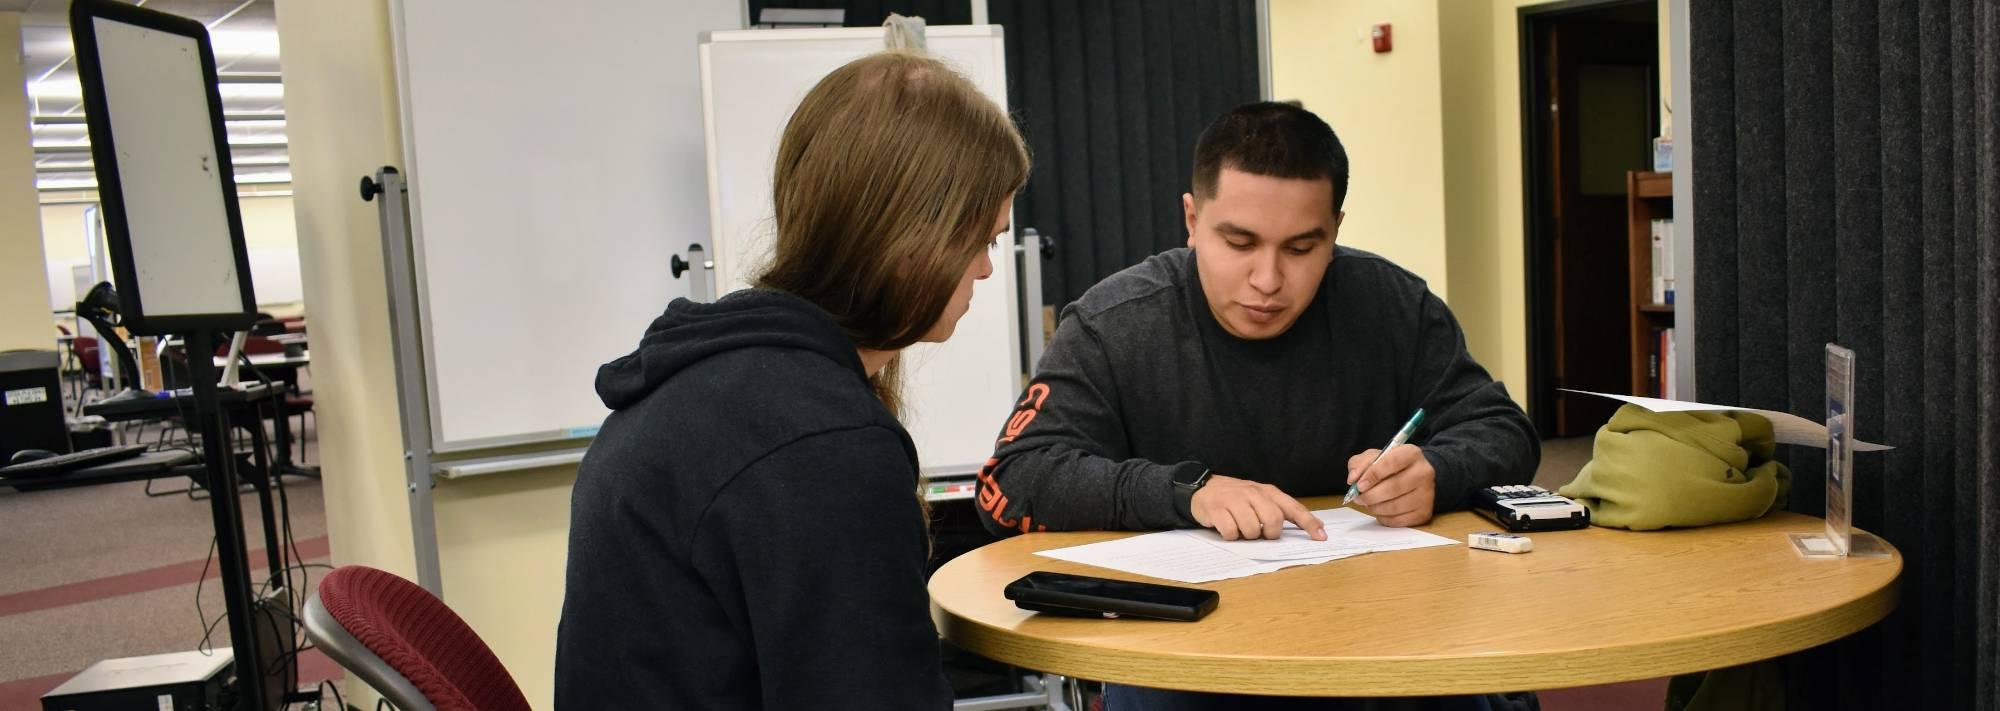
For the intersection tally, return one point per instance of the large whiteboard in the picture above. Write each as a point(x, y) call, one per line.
point(555, 163)
point(957, 394)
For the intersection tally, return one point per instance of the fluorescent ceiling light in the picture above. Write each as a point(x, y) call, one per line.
point(70, 89)
point(234, 43)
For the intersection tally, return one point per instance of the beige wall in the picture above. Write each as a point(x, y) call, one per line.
point(270, 233)
point(24, 303)
point(63, 247)
point(62, 233)
point(502, 539)
point(267, 224)
point(505, 542)
point(1387, 111)
point(1472, 235)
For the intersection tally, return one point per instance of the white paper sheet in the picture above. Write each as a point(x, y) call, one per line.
point(1170, 555)
point(1202, 556)
point(1788, 428)
point(1348, 532)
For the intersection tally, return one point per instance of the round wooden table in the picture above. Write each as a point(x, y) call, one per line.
point(1585, 607)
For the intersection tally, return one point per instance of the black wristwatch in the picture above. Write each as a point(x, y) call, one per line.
point(1189, 477)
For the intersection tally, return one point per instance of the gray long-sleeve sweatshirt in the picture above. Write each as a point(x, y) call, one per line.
point(1140, 380)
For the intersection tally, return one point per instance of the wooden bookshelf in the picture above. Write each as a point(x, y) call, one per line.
point(1648, 196)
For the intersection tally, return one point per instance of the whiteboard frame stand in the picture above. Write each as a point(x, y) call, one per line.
point(399, 267)
point(1028, 248)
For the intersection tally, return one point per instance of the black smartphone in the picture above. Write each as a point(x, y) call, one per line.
point(1083, 596)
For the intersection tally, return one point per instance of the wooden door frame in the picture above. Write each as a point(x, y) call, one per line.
point(1536, 189)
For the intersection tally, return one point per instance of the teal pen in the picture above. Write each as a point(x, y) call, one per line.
point(1402, 436)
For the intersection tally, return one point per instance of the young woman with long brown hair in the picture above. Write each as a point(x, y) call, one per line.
point(744, 532)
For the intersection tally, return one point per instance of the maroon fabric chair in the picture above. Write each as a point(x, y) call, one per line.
point(87, 356)
point(404, 642)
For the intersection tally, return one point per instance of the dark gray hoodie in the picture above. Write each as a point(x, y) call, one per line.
point(745, 532)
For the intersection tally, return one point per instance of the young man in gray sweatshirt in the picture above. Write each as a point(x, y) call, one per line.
point(1211, 386)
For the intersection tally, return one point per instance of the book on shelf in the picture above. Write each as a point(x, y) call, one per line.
point(1667, 364)
point(1663, 261)
point(1659, 242)
point(1667, 253)
point(1653, 366)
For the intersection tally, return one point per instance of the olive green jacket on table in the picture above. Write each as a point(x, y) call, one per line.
point(1652, 470)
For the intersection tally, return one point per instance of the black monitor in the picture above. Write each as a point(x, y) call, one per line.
point(164, 176)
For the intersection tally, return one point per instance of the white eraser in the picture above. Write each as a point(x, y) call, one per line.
point(1497, 541)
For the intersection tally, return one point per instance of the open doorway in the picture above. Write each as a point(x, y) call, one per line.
point(1590, 108)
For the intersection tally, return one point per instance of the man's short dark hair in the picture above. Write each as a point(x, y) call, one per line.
point(1271, 139)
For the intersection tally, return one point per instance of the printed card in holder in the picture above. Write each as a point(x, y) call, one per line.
point(1839, 447)
point(1839, 540)
point(1083, 596)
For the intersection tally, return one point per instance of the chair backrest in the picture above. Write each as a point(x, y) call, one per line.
point(407, 644)
point(87, 356)
point(332, 639)
point(260, 345)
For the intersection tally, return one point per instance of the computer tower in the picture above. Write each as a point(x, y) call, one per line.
point(182, 681)
point(31, 404)
point(192, 681)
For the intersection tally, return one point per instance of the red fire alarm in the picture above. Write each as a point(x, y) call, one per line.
point(1380, 33)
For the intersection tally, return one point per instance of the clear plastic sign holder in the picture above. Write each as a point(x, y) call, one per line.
point(1839, 540)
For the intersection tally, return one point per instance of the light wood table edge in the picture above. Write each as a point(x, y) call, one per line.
point(1441, 675)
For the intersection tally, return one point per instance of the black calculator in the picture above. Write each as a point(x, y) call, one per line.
point(1530, 508)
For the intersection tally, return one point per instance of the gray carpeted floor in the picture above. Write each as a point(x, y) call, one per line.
point(64, 640)
point(74, 535)
point(1561, 460)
